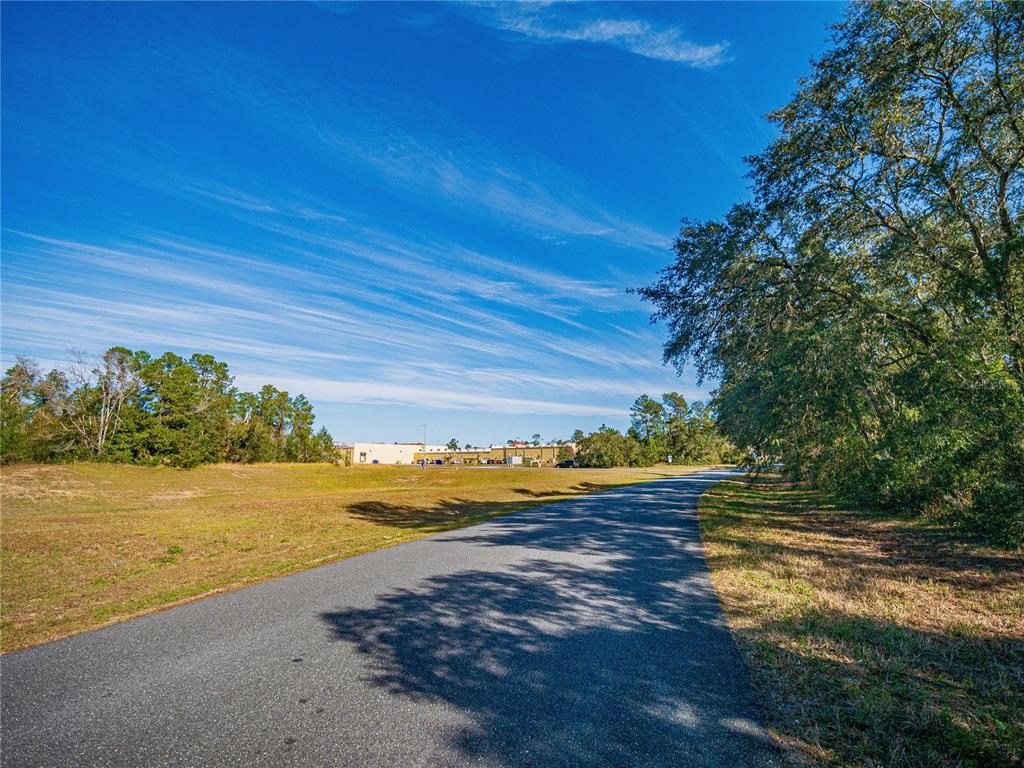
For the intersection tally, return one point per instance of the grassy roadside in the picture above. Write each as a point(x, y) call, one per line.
point(88, 544)
point(872, 642)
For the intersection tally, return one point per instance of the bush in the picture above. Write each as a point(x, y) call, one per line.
point(610, 448)
point(997, 513)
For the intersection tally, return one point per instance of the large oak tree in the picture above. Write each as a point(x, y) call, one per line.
point(864, 312)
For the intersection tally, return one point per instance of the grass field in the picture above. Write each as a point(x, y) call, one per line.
point(88, 544)
point(872, 642)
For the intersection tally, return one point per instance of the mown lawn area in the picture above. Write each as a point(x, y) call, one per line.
point(88, 544)
point(872, 641)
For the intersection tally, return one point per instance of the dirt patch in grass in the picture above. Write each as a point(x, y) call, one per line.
point(90, 544)
point(872, 642)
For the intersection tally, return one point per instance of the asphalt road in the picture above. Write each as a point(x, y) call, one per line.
point(582, 633)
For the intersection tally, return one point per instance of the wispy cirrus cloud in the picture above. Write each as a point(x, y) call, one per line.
point(424, 152)
point(318, 231)
point(333, 312)
point(564, 24)
point(377, 393)
point(367, 249)
point(473, 175)
point(413, 150)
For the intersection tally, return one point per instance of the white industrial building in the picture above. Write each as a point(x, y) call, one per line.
point(412, 453)
point(390, 453)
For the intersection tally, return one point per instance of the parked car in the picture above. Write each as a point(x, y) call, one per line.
point(568, 464)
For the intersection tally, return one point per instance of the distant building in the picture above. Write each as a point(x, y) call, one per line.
point(414, 453)
point(518, 453)
point(391, 453)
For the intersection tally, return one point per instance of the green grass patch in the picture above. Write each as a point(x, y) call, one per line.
point(872, 641)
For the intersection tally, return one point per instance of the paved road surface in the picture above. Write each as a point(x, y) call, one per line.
point(583, 633)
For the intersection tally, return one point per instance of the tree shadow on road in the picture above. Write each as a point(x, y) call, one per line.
point(577, 490)
point(602, 644)
point(447, 513)
point(439, 516)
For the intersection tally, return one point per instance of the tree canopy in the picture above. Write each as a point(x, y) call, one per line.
point(133, 408)
point(863, 312)
point(659, 430)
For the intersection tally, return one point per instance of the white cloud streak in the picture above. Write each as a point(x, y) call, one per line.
point(551, 25)
point(412, 342)
point(385, 393)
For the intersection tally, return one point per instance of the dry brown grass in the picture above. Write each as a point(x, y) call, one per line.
point(88, 544)
point(873, 642)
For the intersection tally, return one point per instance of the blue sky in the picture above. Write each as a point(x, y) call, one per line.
point(414, 214)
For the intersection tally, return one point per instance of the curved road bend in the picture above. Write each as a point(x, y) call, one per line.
point(581, 633)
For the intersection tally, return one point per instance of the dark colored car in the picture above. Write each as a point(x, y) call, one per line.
point(568, 464)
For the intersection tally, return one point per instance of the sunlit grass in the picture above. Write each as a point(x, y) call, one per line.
point(872, 641)
point(84, 545)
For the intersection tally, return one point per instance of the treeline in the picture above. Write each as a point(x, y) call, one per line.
point(864, 313)
point(669, 429)
point(130, 407)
